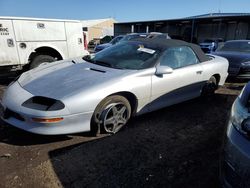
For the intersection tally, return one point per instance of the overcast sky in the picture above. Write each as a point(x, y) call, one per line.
point(122, 11)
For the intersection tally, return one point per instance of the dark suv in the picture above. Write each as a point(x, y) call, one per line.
point(210, 45)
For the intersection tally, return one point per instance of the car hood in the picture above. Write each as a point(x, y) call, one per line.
point(234, 58)
point(63, 79)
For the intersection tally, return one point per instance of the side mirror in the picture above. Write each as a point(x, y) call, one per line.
point(160, 70)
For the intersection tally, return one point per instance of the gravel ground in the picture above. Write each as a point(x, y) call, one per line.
point(178, 146)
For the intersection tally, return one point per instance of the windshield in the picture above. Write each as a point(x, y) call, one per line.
point(126, 55)
point(239, 46)
point(115, 40)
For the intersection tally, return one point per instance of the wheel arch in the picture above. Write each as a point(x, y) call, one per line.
point(46, 50)
point(131, 98)
point(217, 77)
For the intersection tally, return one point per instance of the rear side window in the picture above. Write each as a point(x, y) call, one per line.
point(178, 57)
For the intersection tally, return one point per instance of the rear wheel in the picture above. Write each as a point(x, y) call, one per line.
point(111, 114)
point(210, 87)
point(39, 59)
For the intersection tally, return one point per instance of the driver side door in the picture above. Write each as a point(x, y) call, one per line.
point(183, 83)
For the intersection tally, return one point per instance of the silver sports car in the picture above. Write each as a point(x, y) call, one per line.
point(101, 92)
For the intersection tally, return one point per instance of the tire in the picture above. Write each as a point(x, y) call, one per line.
point(39, 59)
point(210, 87)
point(111, 115)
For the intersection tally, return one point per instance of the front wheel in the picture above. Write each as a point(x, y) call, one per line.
point(112, 114)
point(210, 87)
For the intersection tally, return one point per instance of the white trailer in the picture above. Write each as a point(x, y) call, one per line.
point(28, 42)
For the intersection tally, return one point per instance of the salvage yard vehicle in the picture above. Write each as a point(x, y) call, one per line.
point(28, 42)
point(106, 45)
point(237, 53)
point(100, 92)
point(235, 168)
point(122, 38)
point(210, 45)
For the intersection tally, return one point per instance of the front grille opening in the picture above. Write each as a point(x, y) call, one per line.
point(9, 113)
point(43, 103)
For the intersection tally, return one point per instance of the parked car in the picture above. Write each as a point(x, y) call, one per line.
point(238, 54)
point(103, 90)
point(210, 45)
point(235, 168)
point(122, 38)
point(106, 39)
point(92, 44)
point(158, 35)
point(99, 41)
point(112, 42)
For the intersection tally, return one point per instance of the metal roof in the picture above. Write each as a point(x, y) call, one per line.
point(211, 15)
point(203, 16)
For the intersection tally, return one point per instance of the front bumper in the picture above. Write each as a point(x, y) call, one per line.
point(21, 117)
point(235, 168)
point(242, 71)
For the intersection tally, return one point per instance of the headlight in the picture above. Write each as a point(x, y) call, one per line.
point(43, 103)
point(239, 116)
point(246, 63)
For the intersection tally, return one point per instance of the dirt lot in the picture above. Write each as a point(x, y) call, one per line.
point(178, 146)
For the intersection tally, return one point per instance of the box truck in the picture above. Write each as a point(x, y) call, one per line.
point(25, 43)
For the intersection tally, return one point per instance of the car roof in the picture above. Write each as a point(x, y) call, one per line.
point(168, 43)
point(237, 41)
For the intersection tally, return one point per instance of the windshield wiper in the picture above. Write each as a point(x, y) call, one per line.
point(88, 59)
point(103, 63)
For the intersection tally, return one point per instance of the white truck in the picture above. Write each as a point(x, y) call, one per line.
point(25, 43)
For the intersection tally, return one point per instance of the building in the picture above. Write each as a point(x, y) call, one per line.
point(98, 28)
point(228, 26)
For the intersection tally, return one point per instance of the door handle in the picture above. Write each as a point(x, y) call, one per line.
point(199, 72)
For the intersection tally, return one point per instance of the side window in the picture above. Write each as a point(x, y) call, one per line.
point(178, 57)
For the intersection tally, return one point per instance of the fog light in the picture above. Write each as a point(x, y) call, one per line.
point(47, 120)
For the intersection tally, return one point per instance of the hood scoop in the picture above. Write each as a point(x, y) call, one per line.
point(96, 70)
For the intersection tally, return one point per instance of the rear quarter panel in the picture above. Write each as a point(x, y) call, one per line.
point(216, 66)
point(75, 42)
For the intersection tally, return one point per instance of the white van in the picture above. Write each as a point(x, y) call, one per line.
point(28, 42)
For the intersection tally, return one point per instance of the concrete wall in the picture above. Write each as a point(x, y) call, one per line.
point(102, 29)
